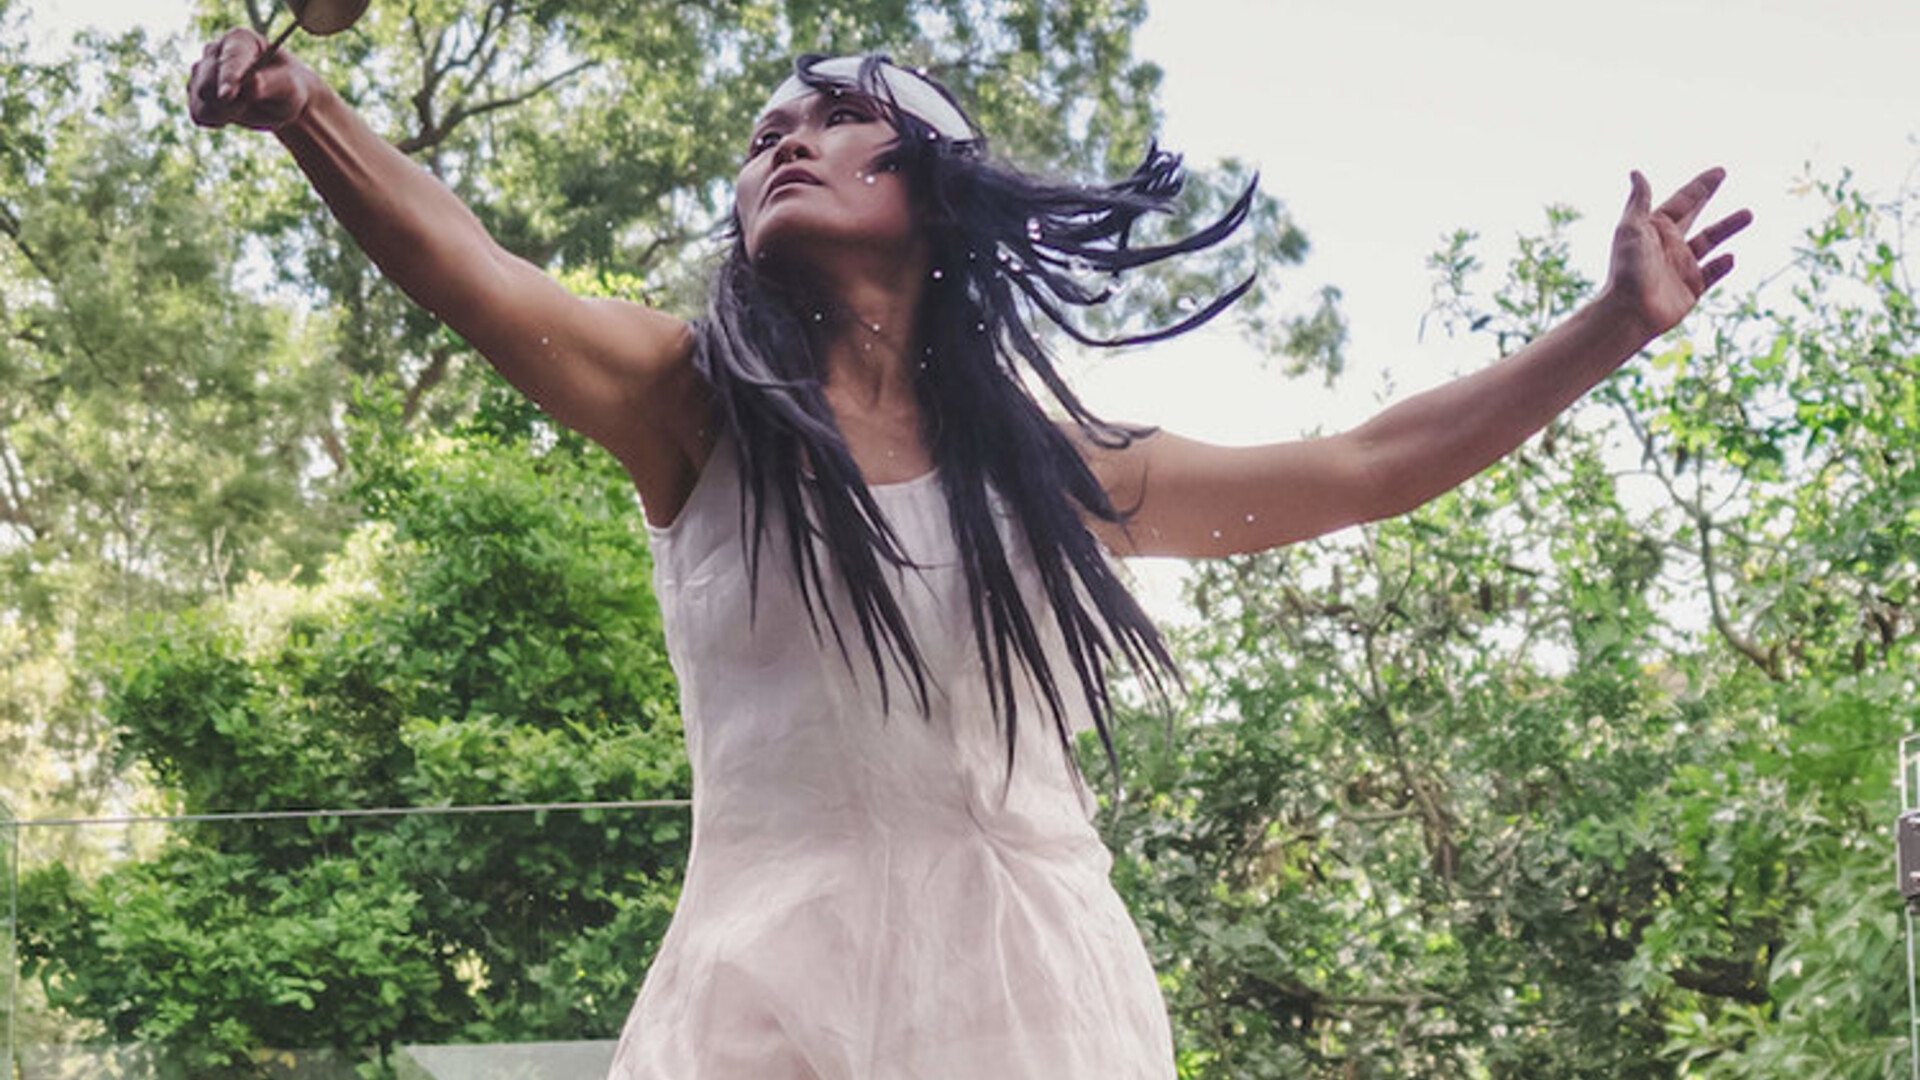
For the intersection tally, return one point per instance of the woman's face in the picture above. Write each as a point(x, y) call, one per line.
point(810, 185)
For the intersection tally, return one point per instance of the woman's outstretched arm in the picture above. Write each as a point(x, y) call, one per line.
point(615, 371)
point(1195, 499)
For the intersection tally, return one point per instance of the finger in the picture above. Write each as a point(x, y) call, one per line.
point(1714, 271)
point(203, 92)
point(223, 68)
point(1639, 194)
point(1684, 205)
point(1711, 236)
point(198, 78)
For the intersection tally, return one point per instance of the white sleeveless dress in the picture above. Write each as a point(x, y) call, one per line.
point(866, 899)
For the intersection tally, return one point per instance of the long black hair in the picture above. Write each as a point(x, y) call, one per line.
point(1003, 245)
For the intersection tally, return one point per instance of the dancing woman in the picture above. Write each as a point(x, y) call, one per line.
point(884, 567)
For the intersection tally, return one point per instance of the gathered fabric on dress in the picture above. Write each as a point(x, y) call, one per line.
point(868, 897)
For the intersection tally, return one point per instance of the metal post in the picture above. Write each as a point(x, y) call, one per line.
point(1907, 845)
point(10, 969)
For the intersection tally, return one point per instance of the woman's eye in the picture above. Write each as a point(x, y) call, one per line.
point(763, 141)
point(847, 114)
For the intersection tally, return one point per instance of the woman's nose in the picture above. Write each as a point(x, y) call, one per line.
point(792, 146)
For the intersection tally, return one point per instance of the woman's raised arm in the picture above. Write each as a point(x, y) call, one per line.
point(615, 371)
point(1195, 499)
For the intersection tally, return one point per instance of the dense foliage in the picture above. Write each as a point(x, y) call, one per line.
point(272, 539)
point(187, 342)
point(1586, 769)
point(487, 637)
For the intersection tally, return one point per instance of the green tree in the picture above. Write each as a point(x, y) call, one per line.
point(188, 343)
point(487, 637)
point(1584, 769)
point(188, 337)
point(156, 418)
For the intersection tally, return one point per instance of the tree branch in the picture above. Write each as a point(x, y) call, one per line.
point(1734, 980)
point(434, 373)
point(1766, 660)
point(432, 135)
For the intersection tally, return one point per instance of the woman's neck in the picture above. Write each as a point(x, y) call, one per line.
point(865, 343)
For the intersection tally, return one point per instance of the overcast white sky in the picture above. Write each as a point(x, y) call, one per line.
point(1386, 124)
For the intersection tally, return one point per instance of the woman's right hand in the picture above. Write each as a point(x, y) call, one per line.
point(272, 95)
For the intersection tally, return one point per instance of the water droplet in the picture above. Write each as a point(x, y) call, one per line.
point(1033, 228)
point(1249, 519)
point(875, 327)
point(1187, 303)
point(819, 316)
point(980, 328)
point(1216, 534)
point(971, 255)
point(544, 340)
point(872, 178)
point(938, 273)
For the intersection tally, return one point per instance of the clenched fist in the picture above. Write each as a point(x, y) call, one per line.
point(226, 88)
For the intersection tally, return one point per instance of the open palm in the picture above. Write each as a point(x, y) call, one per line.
point(1657, 271)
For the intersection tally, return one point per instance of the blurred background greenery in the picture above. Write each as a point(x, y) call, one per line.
point(1584, 770)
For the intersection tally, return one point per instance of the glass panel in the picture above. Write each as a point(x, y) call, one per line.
point(472, 943)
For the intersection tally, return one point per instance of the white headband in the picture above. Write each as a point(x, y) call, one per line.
point(911, 93)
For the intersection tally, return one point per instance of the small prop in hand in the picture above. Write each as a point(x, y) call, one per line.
point(321, 18)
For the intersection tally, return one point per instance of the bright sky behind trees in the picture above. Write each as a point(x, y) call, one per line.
point(1386, 125)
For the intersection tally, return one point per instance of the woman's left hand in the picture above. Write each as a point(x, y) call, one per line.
point(1658, 272)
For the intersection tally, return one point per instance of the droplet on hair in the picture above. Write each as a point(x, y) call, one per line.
point(980, 328)
point(1033, 228)
point(972, 255)
point(938, 273)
